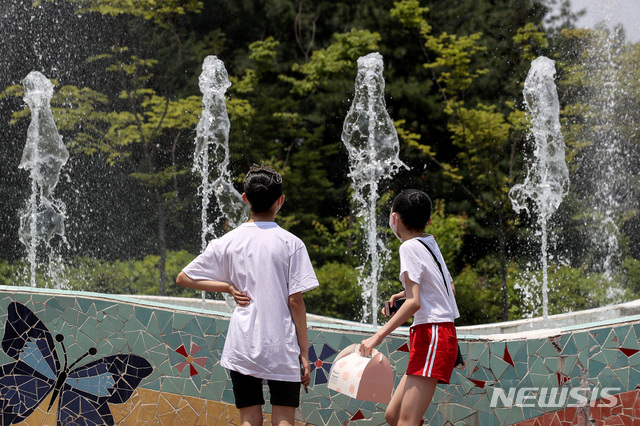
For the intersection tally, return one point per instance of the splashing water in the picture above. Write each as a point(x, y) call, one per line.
point(547, 180)
point(212, 142)
point(44, 155)
point(372, 144)
point(607, 168)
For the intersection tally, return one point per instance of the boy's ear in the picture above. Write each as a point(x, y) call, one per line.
point(244, 198)
point(428, 223)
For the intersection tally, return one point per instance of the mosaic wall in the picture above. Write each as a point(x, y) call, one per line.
point(78, 358)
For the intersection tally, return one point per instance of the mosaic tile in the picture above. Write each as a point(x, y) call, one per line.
point(568, 364)
point(631, 340)
point(436, 418)
point(548, 349)
point(543, 381)
point(475, 349)
point(551, 363)
point(125, 311)
point(148, 333)
point(533, 345)
point(341, 416)
point(454, 412)
point(378, 418)
point(622, 331)
point(467, 385)
point(608, 379)
point(496, 348)
point(569, 346)
point(501, 414)
point(498, 366)
point(483, 358)
point(623, 375)
point(581, 340)
point(521, 369)
point(621, 360)
point(459, 396)
point(515, 346)
point(317, 419)
point(599, 336)
point(108, 308)
point(514, 415)
point(612, 341)
point(536, 366)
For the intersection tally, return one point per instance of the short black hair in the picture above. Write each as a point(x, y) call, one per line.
point(262, 186)
point(414, 208)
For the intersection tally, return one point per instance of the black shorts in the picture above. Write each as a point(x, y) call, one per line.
point(248, 391)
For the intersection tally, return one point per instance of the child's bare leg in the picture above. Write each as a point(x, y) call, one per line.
point(410, 400)
point(251, 416)
point(392, 413)
point(282, 415)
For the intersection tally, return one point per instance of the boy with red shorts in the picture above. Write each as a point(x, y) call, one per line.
point(430, 300)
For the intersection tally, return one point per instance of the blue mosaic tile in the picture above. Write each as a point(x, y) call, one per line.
point(455, 412)
point(461, 394)
point(621, 332)
point(623, 375)
point(342, 417)
point(533, 345)
point(581, 338)
point(483, 358)
point(595, 368)
point(498, 366)
point(436, 418)
point(621, 360)
point(515, 415)
point(569, 347)
point(569, 364)
point(125, 311)
point(502, 414)
point(551, 363)
point(483, 404)
point(325, 415)
point(517, 349)
point(548, 349)
point(228, 397)
point(599, 336)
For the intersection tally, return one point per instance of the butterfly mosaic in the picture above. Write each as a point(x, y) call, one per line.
point(83, 392)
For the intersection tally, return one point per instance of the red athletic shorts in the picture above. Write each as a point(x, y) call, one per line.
point(434, 349)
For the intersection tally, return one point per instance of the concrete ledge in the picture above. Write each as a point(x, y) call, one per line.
point(555, 323)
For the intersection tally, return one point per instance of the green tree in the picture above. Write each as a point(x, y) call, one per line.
point(137, 126)
point(484, 135)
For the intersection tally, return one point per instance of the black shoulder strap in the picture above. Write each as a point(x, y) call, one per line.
point(437, 263)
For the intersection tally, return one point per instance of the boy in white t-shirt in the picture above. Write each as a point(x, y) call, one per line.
point(266, 269)
point(430, 300)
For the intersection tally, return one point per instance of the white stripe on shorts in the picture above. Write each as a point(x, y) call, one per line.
point(431, 354)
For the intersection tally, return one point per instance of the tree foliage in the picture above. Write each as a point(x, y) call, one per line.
point(454, 71)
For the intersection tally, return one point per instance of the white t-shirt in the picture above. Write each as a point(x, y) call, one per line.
point(437, 302)
point(269, 264)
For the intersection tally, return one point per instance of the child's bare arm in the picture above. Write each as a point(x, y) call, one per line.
point(299, 316)
point(185, 280)
point(405, 312)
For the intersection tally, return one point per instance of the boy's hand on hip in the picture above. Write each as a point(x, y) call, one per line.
point(241, 298)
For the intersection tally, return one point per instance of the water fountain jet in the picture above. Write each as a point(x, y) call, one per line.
point(372, 144)
point(212, 143)
point(44, 155)
point(547, 180)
